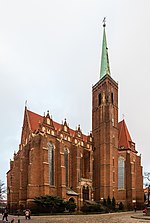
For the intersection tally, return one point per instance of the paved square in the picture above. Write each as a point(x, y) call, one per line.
point(96, 218)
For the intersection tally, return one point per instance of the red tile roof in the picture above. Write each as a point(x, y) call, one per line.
point(35, 119)
point(124, 136)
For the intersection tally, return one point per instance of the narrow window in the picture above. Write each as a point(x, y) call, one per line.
point(51, 163)
point(113, 138)
point(113, 161)
point(99, 99)
point(113, 176)
point(121, 173)
point(112, 98)
point(85, 192)
point(86, 160)
point(66, 166)
point(81, 166)
point(133, 167)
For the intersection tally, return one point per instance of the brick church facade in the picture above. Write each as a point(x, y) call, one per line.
point(54, 159)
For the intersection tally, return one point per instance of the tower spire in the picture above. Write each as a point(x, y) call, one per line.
point(105, 69)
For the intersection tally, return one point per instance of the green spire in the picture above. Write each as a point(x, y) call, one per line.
point(105, 69)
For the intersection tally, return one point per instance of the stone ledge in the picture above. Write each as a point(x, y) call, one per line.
point(143, 217)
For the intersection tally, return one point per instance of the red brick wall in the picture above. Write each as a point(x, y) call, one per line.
point(105, 134)
point(30, 168)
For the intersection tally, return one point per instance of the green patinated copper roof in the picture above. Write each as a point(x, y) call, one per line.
point(105, 69)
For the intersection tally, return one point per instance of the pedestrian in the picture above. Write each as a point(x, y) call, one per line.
point(5, 214)
point(27, 214)
point(18, 212)
point(135, 208)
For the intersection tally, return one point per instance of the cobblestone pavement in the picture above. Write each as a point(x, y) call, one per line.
point(96, 218)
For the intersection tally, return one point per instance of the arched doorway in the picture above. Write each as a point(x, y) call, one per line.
point(72, 200)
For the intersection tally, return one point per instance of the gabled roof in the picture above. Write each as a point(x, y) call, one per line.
point(35, 119)
point(125, 140)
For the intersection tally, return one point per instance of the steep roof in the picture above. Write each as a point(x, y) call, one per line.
point(35, 119)
point(124, 135)
point(105, 68)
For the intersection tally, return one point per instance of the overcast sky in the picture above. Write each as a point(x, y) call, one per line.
point(50, 56)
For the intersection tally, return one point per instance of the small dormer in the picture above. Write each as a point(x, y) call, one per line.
point(64, 131)
point(48, 120)
point(65, 127)
point(78, 132)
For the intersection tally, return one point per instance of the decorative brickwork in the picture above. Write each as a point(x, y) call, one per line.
point(112, 142)
point(30, 171)
point(55, 160)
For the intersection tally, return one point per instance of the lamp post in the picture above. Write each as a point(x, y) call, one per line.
point(102, 199)
point(134, 204)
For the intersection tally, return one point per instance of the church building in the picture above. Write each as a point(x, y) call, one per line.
point(54, 159)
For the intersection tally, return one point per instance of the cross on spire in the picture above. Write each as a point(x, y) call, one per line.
point(104, 22)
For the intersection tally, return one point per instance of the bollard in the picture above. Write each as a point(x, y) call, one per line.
point(18, 220)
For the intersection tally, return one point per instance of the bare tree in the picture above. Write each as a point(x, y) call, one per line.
point(147, 175)
point(2, 190)
point(147, 184)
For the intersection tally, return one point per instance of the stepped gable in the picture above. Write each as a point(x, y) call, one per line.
point(125, 141)
point(35, 119)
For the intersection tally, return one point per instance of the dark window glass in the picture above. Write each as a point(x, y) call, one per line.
point(112, 98)
point(99, 99)
point(66, 165)
point(85, 193)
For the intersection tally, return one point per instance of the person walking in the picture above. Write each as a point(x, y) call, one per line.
point(5, 214)
point(27, 214)
point(135, 208)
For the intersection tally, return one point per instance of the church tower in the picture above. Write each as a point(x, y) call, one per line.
point(105, 130)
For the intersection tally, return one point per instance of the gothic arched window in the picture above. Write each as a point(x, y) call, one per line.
point(66, 162)
point(51, 163)
point(121, 167)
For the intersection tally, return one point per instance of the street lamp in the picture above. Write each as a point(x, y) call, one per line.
point(134, 204)
point(102, 199)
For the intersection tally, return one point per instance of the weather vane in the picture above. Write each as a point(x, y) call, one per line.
point(104, 22)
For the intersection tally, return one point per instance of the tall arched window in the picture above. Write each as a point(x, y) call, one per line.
point(51, 163)
point(66, 161)
point(121, 167)
point(81, 166)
